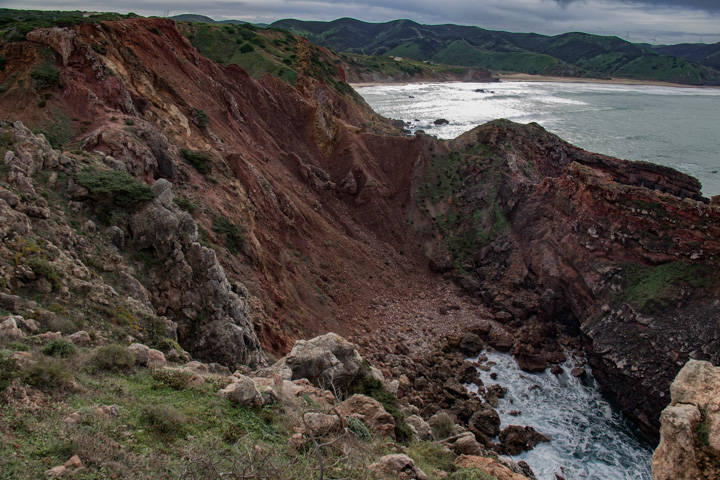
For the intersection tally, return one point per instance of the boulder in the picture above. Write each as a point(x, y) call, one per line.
point(420, 429)
point(516, 439)
point(675, 457)
point(371, 413)
point(9, 330)
point(464, 444)
point(328, 361)
point(242, 391)
point(471, 344)
point(397, 467)
point(321, 424)
point(485, 423)
point(690, 425)
point(489, 466)
point(80, 338)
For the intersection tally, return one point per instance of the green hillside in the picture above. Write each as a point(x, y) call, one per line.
point(571, 54)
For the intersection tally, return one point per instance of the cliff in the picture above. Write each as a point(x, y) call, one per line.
point(295, 210)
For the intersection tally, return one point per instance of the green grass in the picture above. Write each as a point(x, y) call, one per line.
point(656, 288)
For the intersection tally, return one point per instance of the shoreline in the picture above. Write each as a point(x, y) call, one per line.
point(525, 77)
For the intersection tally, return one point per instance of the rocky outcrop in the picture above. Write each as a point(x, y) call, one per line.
point(397, 467)
point(328, 361)
point(690, 426)
point(619, 253)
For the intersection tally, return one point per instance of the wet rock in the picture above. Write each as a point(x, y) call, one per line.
point(471, 344)
point(516, 439)
point(485, 424)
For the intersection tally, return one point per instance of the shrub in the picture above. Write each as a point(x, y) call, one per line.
point(444, 426)
point(374, 388)
point(198, 160)
point(45, 76)
point(175, 379)
point(164, 419)
point(116, 185)
point(200, 118)
point(234, 239)
point(247, 48)
point(186, 205)
point(43, 268)
point(47, 374)
point(113, 358)
point(3, 62)
point(8, 370)
point(166, 345)
point(59, 347)
point(358, 428)
point(17, 347)
point(431, 456)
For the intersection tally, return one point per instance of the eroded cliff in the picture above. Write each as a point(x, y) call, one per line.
point(318, 211)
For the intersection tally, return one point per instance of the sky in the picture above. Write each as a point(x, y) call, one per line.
point(651, 21)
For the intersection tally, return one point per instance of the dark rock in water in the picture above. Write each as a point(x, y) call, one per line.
point(556, 370)
point(411, 96)
point(516, 439)
point(441, 121)
point(532, 363)
point(471, 344)
point(468, 374)
point(485, 424)
point(577, 372)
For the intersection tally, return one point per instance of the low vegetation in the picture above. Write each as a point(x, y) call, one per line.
point(112, 185)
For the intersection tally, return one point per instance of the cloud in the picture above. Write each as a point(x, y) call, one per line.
point(705, 5)
point(666, 21)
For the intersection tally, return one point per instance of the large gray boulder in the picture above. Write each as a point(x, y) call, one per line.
point(328, 361)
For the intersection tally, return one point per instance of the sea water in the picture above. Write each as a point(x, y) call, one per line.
point(589, 437)
point(674, 126)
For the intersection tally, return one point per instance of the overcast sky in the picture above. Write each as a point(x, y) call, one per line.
point(661, 21)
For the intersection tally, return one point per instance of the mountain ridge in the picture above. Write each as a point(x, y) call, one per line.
point(572, 54)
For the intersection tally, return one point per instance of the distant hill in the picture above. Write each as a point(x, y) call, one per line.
point(567, 55)
point(195, 18)
point(702, 53)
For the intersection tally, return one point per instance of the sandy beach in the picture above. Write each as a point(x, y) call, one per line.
point(524, 77)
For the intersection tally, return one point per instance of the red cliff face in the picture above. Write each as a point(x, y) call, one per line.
point(331, 213)
point(316, 194)
point(624, 253)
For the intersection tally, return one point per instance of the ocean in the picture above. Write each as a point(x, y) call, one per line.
point(589, 438)
point(674, 126)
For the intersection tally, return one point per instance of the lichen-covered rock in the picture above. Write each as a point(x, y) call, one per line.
point(690, 426)
point(9, 330)
point(397, 467)
point(242, 391)
point(489, 466)
point(420, 429)
point(328, 361)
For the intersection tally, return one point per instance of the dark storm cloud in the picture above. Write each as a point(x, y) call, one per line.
point(663, 21)
point(706, 5)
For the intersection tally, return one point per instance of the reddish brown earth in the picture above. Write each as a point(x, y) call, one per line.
point(326, 195)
